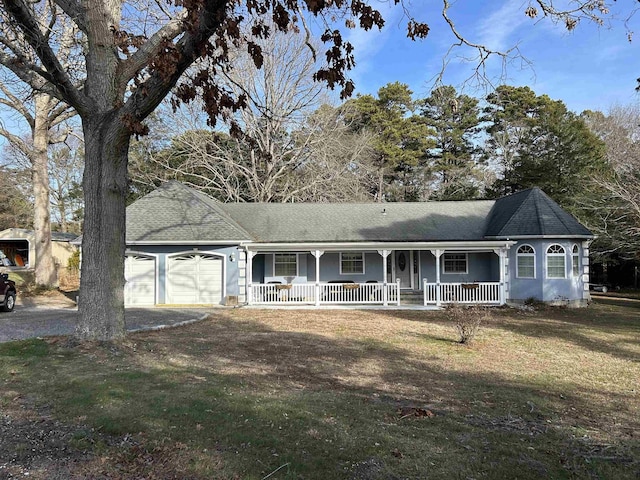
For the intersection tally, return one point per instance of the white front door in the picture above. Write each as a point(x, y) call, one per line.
point(403, 267)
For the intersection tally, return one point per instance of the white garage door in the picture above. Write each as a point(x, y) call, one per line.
point(194, 278)
point(140, 280)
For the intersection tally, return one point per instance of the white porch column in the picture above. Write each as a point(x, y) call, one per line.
point(586, 295)
point(385, 293)
point(317, 254)
point(438, 253)
point(502, 256)
point(507, 276)
point(242, 275)
point(249, 274)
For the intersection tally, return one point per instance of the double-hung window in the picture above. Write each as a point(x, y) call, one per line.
point(556, 262)
point(352, 263)
point(575, 260)
point(285, 265)
point(526, 262)
point(455, 263)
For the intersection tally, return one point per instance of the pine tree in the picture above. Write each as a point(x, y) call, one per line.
point(455, 156)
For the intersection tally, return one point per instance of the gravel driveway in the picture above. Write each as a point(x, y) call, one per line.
point(28, 321)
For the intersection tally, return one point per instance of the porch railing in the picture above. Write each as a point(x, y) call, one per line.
point(325, 293)
point(295, 293)
point(464, 293)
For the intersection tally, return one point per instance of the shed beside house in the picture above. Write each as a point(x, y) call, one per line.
point(19, 252)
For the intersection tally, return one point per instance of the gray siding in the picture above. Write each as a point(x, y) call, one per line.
point(542, 287)
point(482, 267)
point(329, 269)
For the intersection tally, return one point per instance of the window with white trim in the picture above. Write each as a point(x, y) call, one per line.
point(575, 260)
point(526, 262)
point(556, 262)
point(351, 263)
point(455, 263)
point(285, 265)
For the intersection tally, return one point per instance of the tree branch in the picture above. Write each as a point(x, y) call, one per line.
point(16, 104)
point(75, 12)
point(54, 73)
point(155, 88)
point(136, 62)
point(16, 141)
point(29, 75)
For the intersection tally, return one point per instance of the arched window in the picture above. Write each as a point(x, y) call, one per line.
point(556, 262)
point(575, 260)
point(526, 262)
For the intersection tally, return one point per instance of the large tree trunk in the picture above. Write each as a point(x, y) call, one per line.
point(45, 269)
point(101, 304)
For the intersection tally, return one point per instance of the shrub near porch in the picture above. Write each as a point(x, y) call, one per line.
point(348, 394)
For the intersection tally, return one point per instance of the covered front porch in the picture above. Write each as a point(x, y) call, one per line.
point(385, 275)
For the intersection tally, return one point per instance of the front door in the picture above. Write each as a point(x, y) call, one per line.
point(403, 266)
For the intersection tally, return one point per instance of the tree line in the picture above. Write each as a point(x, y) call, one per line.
point(385, 147)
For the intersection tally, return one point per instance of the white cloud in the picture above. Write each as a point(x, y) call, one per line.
point(368, 44)
point(497, 29)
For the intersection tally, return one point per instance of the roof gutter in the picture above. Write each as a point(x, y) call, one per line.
point(530, 237)
point(481, 245)
point(186, 242)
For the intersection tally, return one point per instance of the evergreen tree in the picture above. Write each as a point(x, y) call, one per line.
point(537, 141)
point(454, 157)
point(400, 141)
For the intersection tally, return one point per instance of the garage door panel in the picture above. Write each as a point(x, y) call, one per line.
point(140, 280)
point(195, 278)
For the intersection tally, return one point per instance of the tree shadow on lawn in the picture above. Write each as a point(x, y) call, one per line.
point(344, 377)
point(330, 406)
point(579, 326)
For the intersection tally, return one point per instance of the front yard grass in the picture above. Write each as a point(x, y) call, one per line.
point(254, 394)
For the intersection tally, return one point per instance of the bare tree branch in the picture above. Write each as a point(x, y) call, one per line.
point(55, 73)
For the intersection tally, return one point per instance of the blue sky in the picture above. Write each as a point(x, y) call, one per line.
point(589, 68)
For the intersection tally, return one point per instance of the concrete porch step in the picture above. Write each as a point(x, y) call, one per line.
point(411, 298)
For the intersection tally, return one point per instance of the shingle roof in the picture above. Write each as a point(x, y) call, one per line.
point(354, 222)
point(55, 236)
point(175, 213)
point(532, 213)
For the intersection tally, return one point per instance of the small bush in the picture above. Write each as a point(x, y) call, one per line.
point(74, 261)
point(467, 320)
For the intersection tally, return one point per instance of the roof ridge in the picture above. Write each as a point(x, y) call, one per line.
point(429, 202)
point(517, 210)
point(553, 205)
point(213, 204)
point(536, 199)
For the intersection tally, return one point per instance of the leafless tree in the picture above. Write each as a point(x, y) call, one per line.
point(613, 204)
point(45, 116)
point(66, 163)
point(293, 147)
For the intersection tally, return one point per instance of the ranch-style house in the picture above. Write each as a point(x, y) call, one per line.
point(184, 247)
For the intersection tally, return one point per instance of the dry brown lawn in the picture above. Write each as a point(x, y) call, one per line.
point(356, 394)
